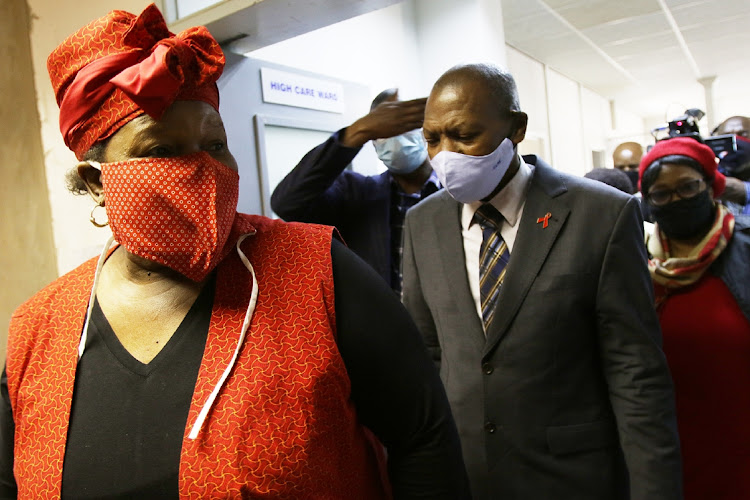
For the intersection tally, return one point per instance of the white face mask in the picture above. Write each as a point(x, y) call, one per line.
point(402, 154)
point(472, 178)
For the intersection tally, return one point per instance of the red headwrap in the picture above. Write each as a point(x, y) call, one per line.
point(686, 146)
point(121, 66)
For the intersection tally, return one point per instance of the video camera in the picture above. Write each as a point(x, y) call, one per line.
point(686, 125)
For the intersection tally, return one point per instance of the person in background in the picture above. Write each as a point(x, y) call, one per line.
point(698, 259)
point(736, 165)
point(626, 157)
point(531, 289)
point(612, 177)
point(206, 353)
point(367, 210)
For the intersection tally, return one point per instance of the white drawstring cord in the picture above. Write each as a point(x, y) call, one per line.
point(245, 325)
point(82, 343)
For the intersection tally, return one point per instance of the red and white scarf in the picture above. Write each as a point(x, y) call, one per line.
point(671, 273)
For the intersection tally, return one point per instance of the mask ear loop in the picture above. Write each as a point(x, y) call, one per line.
point(92, 217)
point(92, 296)
point(92, 163)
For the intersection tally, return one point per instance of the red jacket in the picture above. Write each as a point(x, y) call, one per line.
point(282, 426)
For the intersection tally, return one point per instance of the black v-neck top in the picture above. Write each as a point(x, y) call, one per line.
point(128, 418)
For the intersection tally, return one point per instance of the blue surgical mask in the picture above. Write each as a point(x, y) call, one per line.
point(402, 154)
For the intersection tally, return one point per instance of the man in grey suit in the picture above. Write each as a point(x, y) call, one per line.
point(552, 362)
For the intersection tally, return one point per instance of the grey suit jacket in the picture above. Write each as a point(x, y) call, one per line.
point(569, 395)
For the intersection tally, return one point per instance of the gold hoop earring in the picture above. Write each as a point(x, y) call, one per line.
point(92, 218)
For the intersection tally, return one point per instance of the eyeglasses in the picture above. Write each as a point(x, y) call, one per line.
point(685, 190)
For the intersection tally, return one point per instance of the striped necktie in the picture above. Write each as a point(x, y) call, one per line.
point(493, 259)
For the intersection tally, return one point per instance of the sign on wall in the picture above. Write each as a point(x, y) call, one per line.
point(290, 89)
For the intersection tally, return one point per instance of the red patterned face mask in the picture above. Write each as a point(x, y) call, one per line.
point(174, 211)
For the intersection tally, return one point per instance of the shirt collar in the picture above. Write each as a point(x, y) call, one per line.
point(508, 201)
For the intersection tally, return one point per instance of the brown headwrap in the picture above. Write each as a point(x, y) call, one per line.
point(121, 66)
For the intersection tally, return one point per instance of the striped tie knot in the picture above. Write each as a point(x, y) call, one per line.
point(488, 216)
point(493, 259)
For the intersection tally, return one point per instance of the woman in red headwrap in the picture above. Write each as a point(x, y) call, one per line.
point(206, 353)
point(700, 269)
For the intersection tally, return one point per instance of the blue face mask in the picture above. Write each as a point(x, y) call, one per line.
point(402, 154)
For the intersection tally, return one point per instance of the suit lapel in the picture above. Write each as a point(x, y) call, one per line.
point(532, 245)
point(447, 227)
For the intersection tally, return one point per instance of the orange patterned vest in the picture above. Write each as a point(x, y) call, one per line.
point(283, 425)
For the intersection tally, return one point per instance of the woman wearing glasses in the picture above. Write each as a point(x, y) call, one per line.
point(699, 258)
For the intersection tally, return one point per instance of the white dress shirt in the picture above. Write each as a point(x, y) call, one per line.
point(509, 202)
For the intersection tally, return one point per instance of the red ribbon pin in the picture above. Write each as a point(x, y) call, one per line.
point(544, 219)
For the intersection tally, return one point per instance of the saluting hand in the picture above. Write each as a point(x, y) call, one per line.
point(389, 119)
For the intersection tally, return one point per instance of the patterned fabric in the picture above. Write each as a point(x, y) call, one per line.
point(671, 273)
point(283, 426)
point(175, 211)
point(120, 66)
point(41, 363)
point(400, 203)
point(493, 260)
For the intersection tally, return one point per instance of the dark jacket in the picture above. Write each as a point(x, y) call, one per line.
point(320, 190)
point(733, 266)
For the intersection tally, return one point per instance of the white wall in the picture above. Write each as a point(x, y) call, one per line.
point(730, 100)
point(567, 122)
point(407, 45)
point(532, 92)
point(451, 32)
point(186, 7)
point(378, 49)
point(597, 125)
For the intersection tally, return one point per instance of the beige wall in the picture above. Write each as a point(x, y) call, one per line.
point(45, 230)
point(52, 21)
point(27, 253)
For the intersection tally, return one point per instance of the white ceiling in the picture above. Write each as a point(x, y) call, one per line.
point(647, 55)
